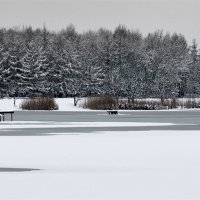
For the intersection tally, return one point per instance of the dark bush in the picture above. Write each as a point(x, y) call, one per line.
point(141, 104)
point(100, 103)
point(108, 102)
point(192, 103)
point(41, 103)
point(149, 104)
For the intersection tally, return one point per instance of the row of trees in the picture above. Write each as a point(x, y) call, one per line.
point(120, 63)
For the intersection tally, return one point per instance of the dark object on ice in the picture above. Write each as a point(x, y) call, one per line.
point(17, 169)
point(112, 112)
point(2, 115)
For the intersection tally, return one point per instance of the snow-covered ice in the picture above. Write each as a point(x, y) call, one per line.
point(106, 165)
point(32, 124)
point(145, 165)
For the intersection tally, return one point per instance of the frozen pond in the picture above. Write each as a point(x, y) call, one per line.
point(182, 120)
point(94, 156)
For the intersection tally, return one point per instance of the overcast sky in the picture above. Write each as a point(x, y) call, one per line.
point(181, 16)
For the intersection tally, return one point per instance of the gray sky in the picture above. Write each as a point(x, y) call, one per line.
point(181, 16)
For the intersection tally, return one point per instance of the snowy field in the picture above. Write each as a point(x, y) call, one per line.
point(134, 156)
point(144, 165)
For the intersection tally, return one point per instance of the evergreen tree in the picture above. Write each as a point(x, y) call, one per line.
point(120, 63)
point(35, 70)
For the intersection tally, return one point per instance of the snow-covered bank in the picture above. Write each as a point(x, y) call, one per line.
point(65, 104)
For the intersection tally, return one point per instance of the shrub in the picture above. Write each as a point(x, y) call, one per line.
point(41, 103)
point(107, 102)
point(100, 103)
point(173, 103)
point(192, 103)
point(149, 104)
point(141, 104)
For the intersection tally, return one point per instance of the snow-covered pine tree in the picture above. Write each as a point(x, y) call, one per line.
point(132, 75)
point(193, 82)
point(119, 61)
point(8, 65)
point(170, 53)
point(73, 71)
point(42, 71)
point(93, 78)
point(35, 70)
point(2, 71)
point(104, 44)
point(14, 65)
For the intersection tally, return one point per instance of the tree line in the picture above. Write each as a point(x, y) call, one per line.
point(120, 63)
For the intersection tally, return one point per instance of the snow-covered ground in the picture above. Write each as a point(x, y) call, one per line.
point(145, 165)
point(66, 104)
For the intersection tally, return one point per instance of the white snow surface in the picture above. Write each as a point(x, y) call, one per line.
point(32, 124)
point(143, 165)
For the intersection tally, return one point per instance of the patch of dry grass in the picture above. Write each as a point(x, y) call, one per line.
point(100, 103)
point(41, 103)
